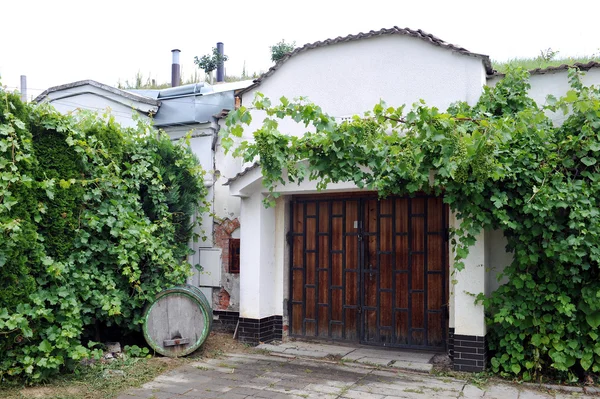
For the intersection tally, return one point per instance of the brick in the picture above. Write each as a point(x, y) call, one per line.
point(467, 349)
point(473, 356)
point(467, 362)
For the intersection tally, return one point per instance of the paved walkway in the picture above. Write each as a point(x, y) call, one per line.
point(238, 376)
point(399, 359)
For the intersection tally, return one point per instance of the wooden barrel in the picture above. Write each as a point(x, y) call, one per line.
point(178, 321)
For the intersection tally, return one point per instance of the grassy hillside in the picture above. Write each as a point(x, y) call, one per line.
point(540, 62)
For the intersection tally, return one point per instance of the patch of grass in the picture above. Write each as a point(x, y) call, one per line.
point(480, 380)
point(344, 391)
point(540, 62)
point(434, 389)
point(97, 381)
point(216, 353)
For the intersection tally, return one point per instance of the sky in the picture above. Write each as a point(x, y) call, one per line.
point(62, 41)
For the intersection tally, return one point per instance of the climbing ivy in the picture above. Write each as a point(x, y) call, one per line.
point(95, 219)
point(500, 164)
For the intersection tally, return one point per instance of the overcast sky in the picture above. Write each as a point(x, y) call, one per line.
point(61, 41)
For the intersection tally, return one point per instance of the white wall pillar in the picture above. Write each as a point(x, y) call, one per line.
point(469, 318)
point(260, 288)
point(467, 344)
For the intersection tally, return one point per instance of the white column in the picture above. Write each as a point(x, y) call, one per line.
point(260, 288)
point(466, 317)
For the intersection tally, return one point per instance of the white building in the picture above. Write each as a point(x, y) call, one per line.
point(341, 265)
point(338, 264)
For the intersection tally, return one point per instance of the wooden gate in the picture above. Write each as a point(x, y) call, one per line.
point(369, 271)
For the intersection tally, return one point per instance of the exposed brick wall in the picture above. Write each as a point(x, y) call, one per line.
point(224, 299)
point(225, 321)
point(256, 331)
point(470, 353)
point(450, 345)
point(222, 232)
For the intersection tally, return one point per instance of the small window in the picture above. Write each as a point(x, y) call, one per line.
point(234, 255)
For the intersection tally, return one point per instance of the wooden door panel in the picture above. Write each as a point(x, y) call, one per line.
point(386, 234)
point(386, 271)
point(385, 309)
point(369, 270)
point(417, 268)
point(352, 297)
point(351, 325)
point(404, 263)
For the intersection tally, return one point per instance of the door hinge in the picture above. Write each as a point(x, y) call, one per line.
point(289, 237)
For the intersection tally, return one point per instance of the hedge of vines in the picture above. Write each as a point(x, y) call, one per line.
point(500, 164)
point(95, 219)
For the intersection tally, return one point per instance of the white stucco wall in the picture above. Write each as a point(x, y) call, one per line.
point(350, 78)
point(226, 206)
point(202, 136)
point(91, 102)
point(96, 99)
point(557, 84)
point(553, 83)
point(484, 264)
point(497, 259)
point(466, 316)
point(261, 279)
point(219, 167)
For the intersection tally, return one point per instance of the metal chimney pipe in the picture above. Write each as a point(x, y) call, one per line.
point(220, 68)
point(24, 88)
point(175, 68)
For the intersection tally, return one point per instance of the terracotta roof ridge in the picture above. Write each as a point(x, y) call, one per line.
point(428, 37)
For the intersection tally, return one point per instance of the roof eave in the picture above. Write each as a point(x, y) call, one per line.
point(119, 92)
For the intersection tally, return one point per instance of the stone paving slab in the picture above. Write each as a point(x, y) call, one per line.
point(400, 359)
point(245, 376)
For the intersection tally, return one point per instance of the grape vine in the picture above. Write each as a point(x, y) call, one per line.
point(500, 164)
point(94, 221)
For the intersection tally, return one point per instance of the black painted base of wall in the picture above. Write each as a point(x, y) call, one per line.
point(469, 353)
point(225, 321)
point(257, 331)
point(450, 344)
